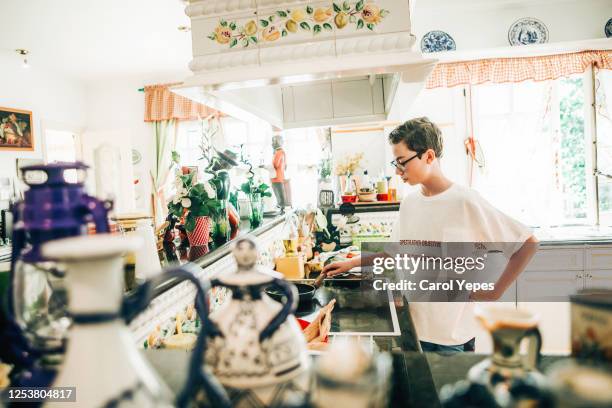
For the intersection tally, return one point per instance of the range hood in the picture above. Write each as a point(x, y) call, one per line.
point(303, 63)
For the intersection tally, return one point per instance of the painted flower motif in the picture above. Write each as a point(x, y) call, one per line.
point(371, 14)
point(291, 26)
point(341, 20)
point(250, 28)
point(271, 33)
point(321, 15)
point(223, 34)
point(186, 202)
point(298, 15)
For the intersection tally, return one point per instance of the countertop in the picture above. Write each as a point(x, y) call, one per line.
point(412, 381)
point(205, 256)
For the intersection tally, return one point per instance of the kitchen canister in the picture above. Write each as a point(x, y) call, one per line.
point(591, 328)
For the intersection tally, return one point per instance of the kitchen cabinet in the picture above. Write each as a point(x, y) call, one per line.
point(334, 101)
point(552, 276)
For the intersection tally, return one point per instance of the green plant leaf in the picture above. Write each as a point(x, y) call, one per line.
point(370, 26)
point(309, 9)
point(254, 40)
point(212, 36)
point(223, 23)
point(359, 5)
point(317, 29)
point(233, 42)
point(190, 222)
point(346, 6)
point(352, 19)
point(281, 13)
point(384, 13)
point(264, 23)
point(232, 25)
point(337, 8)
point(176, 157)
point(305, 25)
point(328, 26)
point(359, 24)
point(245, 42)
point(271, 18)
point(284, 33)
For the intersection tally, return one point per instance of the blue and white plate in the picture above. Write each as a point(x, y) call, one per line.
point(527, 31)
point(608, 28)
point(436, 41)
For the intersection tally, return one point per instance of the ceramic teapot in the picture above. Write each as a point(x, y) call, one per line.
point(101, 360)
point(256, 348)
point(507, 373)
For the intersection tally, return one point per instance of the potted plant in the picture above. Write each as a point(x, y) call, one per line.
point(256, 191)
point(345, 169)
point(195, 203)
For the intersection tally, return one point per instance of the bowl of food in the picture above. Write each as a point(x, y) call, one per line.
point(367, 194)
point(349, 198)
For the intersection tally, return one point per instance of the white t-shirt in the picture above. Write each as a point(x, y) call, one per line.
point(458, 214)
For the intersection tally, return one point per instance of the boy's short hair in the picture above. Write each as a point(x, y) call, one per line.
point(419, 135)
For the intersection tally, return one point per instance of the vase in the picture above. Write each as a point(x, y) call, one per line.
point(256, 210)
point(201, 233)
point(221, 229)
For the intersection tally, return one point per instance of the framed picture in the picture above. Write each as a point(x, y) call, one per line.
point(16, 130)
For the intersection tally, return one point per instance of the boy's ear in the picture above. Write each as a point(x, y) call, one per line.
point(430, 156)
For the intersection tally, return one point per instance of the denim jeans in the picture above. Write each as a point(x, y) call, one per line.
point(447, 350)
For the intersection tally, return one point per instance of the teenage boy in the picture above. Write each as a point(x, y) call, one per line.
point(443, 211)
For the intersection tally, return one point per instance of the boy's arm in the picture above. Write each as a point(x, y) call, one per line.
point(342, 267)
point(516, 265)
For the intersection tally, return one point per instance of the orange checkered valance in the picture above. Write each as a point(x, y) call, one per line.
point(162, 104)
point(499, 70)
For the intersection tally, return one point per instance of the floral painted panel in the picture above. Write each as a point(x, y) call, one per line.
point(286, 22)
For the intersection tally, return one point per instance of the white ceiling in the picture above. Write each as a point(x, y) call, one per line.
point(96, 39)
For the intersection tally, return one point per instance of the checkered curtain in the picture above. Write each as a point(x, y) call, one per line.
point(162, 104)
point(499, 70)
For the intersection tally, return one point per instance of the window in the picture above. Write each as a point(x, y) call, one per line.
point(603, 120)
point(535, 139)
point(252, 141)
point(62, 146)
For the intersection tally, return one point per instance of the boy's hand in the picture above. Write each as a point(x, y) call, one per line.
point(485, 296)
point(337, 268)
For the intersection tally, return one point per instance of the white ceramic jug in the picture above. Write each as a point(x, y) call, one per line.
point(102, 361)
point(257, 349)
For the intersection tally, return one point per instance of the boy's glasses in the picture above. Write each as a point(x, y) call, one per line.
point(401, 166)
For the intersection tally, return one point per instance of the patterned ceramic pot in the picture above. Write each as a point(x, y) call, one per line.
point(258, 351)
point(201, 233)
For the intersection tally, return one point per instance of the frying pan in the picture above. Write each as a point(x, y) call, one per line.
point(306, 293)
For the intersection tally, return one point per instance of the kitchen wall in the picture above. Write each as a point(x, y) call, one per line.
point(55, 101)
point(480, 24)
point(115, 116)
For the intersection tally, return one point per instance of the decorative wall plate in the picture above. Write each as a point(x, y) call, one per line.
point(608, 28)
point(436, 41)
point(526, 31)
point(136, 156)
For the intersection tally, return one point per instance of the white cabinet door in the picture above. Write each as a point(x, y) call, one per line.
point(599, 258)
point(569, 259)
point(548, 286)
point(598, 279)
point(311, 102)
